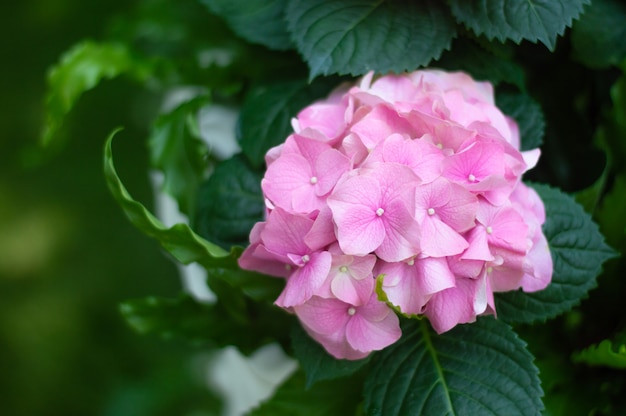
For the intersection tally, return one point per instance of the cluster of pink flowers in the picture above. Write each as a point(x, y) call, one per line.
point(406, 183)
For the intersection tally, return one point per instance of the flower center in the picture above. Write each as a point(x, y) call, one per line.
point(351, 311)
point(489, 269)
point(411, 262)
point(313, 180)
point(489, 230)
point(343, 269)
point(431, 211)
point(305, 259)
point(471, 178)
point(380, 212)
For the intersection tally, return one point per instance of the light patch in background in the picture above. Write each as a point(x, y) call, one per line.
point(244, 382)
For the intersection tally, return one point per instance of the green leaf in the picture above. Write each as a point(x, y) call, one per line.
point(481, 368)
point(528, 115)
point(230, 202)
point(602, 355)
point(482, 64)
point(80, 69)
point(257, 21)
point(578, 251)
point(177, 150)
point(598, 37)
point(185, 245)
point(327, 398)
point(198, 323)
point(533, 20)
point(179, 240)
point(356, 36)
point(265, 119)
point(317, 363)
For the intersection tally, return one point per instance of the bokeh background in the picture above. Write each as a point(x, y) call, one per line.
point(68, 256)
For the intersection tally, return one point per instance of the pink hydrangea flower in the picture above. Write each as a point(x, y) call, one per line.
point(399, 193)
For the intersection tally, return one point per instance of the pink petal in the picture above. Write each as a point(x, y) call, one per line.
point(323, 316)
point(284, 233)
point(305, 280)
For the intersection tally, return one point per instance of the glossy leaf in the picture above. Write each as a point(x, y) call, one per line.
point(316, 362)
point(533, 20)
point(177, 150)
point(80, 69)
point(602, 355)
point(265, 119)
point(230, 202)
point(578, 251)
point(257, 21)
point(476, 369)
point(528, 115)
point(356, 36)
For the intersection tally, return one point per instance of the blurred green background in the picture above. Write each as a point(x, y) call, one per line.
point(68, 256)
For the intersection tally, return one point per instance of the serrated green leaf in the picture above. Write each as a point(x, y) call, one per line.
point(602, 355)
point(327, 398)
point(478, 369)
point(578, 251)
point(598, 37)
point(179, 240)
point(316, 362)
point(177, 151)
point(257, 21)
point(533, 20)
point(528, 115)
point(80, 69)
point(265, 119)
point(357, 36)
point(482, 64)
point(230, 202)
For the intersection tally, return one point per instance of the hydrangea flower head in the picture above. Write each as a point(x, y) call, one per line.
point(404, 184)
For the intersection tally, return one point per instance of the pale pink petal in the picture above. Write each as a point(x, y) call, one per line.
point(323, 316)
point(366, 336)
point(439, 240)
point(401, 233)
point(284, 233)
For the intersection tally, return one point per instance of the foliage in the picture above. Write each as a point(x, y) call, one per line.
point(273, 58)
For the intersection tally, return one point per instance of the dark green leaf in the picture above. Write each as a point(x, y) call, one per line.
point(257, 21)
point(578, 251)
point(327, 398)
point(468, 56)
point(265, 119)
point(316, 362)
point(533, 20)
point(230, 203)
point(481, 368)
point(79, 70)
point(177, 150)
point(528, 115)
point(598, 37)
point(602, 355)
point(356, 36)
point(254, 285)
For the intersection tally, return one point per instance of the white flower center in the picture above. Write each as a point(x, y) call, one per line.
point(313, 180)
point(489, 269)
point(305, 259)
point(440, 145)
point(351, 311)
point(411, 262)
point(343, 269)
point(489, 230)
point(471, 178)
point(431, 211)
point(380, 212)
